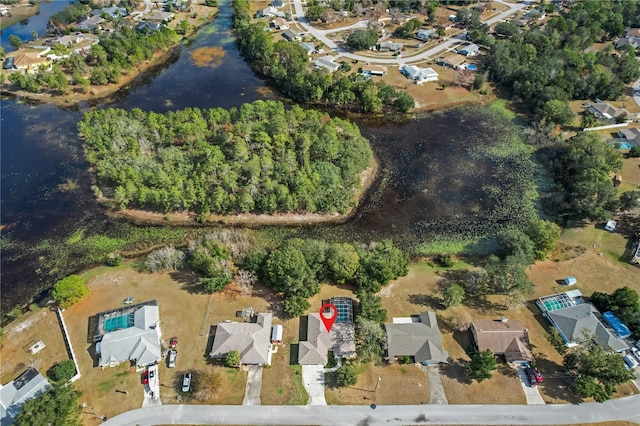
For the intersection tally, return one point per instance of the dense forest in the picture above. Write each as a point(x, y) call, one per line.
point(550, 65)
point(260, 157)
point(287, 65)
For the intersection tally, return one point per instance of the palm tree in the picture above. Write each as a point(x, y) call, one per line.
point(588, 120)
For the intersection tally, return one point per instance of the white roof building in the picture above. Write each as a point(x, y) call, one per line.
point(12, 395)
point(419, 75)
point(327, 64)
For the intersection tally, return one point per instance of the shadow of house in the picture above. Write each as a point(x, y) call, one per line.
point(457, 370)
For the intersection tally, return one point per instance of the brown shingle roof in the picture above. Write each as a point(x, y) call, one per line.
point(509, 338)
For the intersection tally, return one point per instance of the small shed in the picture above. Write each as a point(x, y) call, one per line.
point(570, 280)
point(611, 225)
point(276, 334)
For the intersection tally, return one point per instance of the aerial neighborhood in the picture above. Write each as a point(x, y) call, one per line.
point(329, 242)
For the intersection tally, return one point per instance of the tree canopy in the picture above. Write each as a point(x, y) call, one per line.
point(260, 157)
point(58, 405)
point(624, 303)
point(481, 365)
point(69, 290)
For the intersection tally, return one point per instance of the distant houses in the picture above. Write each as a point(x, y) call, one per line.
point(326, 63)
point(90, 23)
point(419, 75)
point(470, 50)
point(631, 134)
point(291, 35)
point(390, 46)
point(374, 70)
point(426, 35)
point(280, 24)
point(452, 61)
point(417, 337)
point(160, 16)
point(270, 12)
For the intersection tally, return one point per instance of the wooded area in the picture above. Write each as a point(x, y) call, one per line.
point(256, 158)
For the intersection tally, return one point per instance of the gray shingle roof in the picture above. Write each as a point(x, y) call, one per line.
point(314, 351)
point(250, 339)
point(577, 321)
point(421, 340)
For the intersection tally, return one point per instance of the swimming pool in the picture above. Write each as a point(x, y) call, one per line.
point(625, 145)
point(118, 323)
point(471, 67)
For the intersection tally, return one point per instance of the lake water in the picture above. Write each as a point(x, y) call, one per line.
point(425, 174)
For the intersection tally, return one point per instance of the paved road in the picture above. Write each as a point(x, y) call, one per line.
point(532, 393)
point(445, 45)
point(254, 383)
point(313, 382)
point(636, 92)
point(623, 409)
point(436, 389)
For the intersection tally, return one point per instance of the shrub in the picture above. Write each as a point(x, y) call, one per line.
point(346, 375)
point(166, 258)
point(62, 371)
point(232, 359)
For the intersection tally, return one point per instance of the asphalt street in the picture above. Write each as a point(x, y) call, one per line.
point(622, 409)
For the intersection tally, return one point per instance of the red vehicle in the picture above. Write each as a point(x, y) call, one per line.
point(145, 377)
point(533, 380)
point(538, 375)
point(173, 342)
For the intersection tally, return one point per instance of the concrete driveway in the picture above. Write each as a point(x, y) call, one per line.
point(254, 384)
point(436, 389)
point(531, 392)
point(313, 382)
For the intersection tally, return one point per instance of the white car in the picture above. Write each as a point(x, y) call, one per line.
point(630, 362)
point(186, 383)
point(173, 354)
point(636, 353)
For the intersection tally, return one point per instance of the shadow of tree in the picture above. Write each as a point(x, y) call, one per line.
point(209, 346)
point(554, 385)
point(275, 301)
point(427, 300)
point(188, 280)
point(457, 370)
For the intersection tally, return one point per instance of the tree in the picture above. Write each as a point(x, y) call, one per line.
point(481, 366)
point(342, 261)
point(599, 371)
point(15, 41)
point(556, 111)
point(286, 270)
point(346, 375)
point(556, 340)
point(371, 338)
point(516, 243)
point(233, 359)
point(215, 283)
point(544, 235)
point(58, 405)
point(69, 290)
point(371, 307)
point(362, 39)
point(629, 200)
point(314, 12)
point(294, 306)
point(62, 371)
point(453, 295)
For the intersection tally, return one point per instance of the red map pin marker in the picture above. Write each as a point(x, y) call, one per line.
point(328, 322)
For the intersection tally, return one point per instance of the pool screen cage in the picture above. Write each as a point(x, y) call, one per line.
point(557, 301)
point(102, 317)
point(344, 305)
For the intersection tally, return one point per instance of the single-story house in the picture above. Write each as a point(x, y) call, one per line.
point(627, 41)
point(280, 24)
point(160, 16)
point(452, 61)
point(378, 70)
point(606, 111)
point(425, 35)
point(129, 334)
point(113, 12)
point(309, 47)
point(611, 225)
point(12, 395)
point(326, 63)
point(418, 337)
point(291, 35)
point(503, 337)
point(70, 39)
point(30, 62)
point(576, 320)
point(90, 23)
point(315, 350)
point(470, 50)
point(250, 339)
point(632, 133)
point(390, 46)
point(147, 27)
point(269, 11)
point(419, 75)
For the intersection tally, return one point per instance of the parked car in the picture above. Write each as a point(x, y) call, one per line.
point(173, 342)
point(630, 362)
point(186, 383)
point(173, 354)
point(539, 377)
point(636, 353)
point(145, 377)
point(531, 374)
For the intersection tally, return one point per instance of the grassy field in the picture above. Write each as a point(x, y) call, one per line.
point(19, 12)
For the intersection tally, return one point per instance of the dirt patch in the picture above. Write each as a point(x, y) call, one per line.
point(208, 56)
